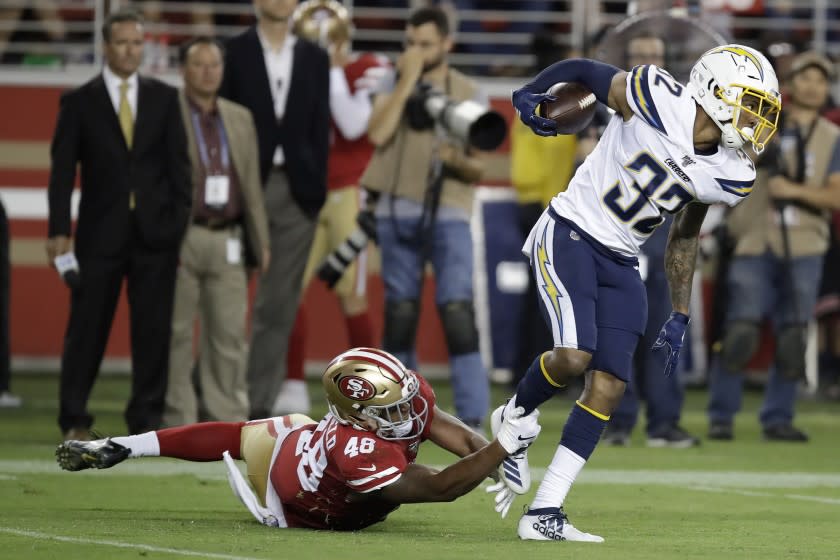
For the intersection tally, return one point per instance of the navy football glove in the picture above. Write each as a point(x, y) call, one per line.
point(526, 104)
point(672, 334)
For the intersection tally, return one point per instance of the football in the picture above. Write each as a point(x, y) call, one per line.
point(573, 110)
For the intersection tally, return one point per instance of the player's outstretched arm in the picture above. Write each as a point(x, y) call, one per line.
point(607, 82)
point(451, 434)
point(419, 483)
point(680, 261)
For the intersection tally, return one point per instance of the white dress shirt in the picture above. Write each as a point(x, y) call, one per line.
point(278, 66)
point(112, 83)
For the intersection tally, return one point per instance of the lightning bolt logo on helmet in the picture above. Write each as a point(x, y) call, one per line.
point(737, 87)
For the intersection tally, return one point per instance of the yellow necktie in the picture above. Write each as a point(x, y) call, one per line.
point(126, 120)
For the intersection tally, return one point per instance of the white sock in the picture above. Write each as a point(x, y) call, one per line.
point(141, 445)
point(558, 479)
point(296, 385)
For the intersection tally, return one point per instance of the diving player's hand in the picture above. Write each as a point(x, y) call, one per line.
point(672, 334)
point(504, 497)
point(518, 431)
point(526, 104)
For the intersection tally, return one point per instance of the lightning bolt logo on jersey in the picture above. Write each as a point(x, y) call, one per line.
point(647, 165)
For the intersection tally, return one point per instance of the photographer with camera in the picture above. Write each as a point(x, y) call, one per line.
point(425, 173)
point(780, 235)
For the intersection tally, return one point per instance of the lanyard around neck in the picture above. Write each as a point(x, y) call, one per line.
point(202, 145)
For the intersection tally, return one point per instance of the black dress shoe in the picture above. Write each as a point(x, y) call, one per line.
point(784, 432)
point(721, 431)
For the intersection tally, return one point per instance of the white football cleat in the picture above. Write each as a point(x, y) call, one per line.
point(551, 524)
point(514, 470)
point(293, 397)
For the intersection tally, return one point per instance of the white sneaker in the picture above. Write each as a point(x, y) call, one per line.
point(514, 469)
point(10, 400)
point(293, 397)
point(551, 524)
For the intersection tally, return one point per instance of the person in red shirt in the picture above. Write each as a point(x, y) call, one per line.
point(354, 78)
point(346, 472)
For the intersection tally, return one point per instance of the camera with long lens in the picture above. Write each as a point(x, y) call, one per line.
point(469, 122)
point(333, 267)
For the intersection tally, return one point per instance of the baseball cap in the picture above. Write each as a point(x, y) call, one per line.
point(812, 59)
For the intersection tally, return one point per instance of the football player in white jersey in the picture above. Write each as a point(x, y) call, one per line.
point(669, 147)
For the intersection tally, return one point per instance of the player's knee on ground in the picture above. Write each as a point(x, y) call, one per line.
point(401, 324)
point(790, 351)
point(458, 318)
point(603, 392)
point(564, 363)
point(740, 343)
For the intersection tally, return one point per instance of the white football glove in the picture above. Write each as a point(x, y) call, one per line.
point(504, 497)
point(518, 431)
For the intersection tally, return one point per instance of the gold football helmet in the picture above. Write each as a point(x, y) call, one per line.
point(369, 384)
point(325, 22)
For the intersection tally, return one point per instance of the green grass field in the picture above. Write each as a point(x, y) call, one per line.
point(744, 499)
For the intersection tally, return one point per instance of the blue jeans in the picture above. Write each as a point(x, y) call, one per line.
point(663, 395)
point(758, 289)
point(451, 254)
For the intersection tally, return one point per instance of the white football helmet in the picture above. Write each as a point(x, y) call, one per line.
point(370, 384)
point(738, 89)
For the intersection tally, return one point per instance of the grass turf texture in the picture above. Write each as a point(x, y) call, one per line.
point(741, 499)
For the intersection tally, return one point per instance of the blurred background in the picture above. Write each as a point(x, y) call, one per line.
point(49, 46)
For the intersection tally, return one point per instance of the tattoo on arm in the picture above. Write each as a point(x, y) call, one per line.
point(681, 254)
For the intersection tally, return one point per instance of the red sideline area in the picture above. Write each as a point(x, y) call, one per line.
point(39, 301)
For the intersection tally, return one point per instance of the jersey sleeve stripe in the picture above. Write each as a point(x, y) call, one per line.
point(380, 474)
point(640, 88)
point(381, 484)
point(738, 188)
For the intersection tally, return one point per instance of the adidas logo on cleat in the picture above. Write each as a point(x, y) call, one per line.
point(548, 532)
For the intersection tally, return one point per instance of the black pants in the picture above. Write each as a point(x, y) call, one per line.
point(150, 279)
point(5, 352)
point(534, 335)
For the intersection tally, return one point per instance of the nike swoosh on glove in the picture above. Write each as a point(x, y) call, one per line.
point(671, 335)
point(518, 430)
point(526, 104)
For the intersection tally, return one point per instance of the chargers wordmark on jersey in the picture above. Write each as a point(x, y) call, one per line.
point(647, 166)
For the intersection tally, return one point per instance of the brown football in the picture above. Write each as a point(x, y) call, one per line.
point(573, 110)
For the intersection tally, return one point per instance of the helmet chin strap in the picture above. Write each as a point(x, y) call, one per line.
point(730, 137)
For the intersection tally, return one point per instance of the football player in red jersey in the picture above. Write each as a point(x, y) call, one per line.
point(354, 78)
point(346, 472)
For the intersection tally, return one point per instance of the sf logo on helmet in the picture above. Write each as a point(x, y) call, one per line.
point(356, 388)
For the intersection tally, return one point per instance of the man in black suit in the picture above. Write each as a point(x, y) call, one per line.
point(127, 134)
point(284, 81)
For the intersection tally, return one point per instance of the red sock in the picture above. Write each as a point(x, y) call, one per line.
point(297, 347)
point(360, 330)
point(201, 442)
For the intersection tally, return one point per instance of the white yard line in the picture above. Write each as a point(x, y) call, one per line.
point(751, 493)
point(119, 544)
point(685, 478)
